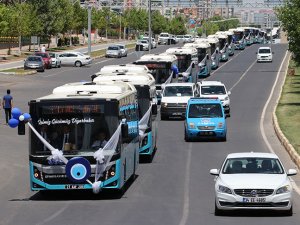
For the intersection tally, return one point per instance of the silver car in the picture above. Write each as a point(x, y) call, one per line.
point(124, 50)
point(56, 62)
point(77, 59)
point(113, 51)
point(34, 62)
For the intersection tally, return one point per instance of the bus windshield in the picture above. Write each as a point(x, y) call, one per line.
point(222, 42)
point(205, 111)
point(238, 35)
point(184, 62)
point(160, 71)
point(201, 54)
point(72, 126)
point(143, 96)
point(171, 91)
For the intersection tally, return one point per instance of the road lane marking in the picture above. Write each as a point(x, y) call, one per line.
point(186, 194)
point(53, 216)
point(243, 75)
point(262, 128)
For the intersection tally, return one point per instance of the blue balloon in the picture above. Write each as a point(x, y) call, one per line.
point(27, 116)
point(13, 123)
point(16, 113)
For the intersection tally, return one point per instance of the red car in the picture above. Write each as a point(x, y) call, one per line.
point(46, 58)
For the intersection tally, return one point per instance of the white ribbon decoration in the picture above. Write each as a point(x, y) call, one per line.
point(55, 153)
point(143, 123)
point(103, 157)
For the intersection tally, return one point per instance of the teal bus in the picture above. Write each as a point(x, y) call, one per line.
point(146, 97)
point(81, 111)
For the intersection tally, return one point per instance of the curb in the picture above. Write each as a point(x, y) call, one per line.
point(282, 138)
point(19, 73)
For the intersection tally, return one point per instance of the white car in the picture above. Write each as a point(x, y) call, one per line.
point(253, 181)
point(264, 54)
point(175, 97)
point(153, 42)
point(163, 38)
point(144, 43)
point(55, 59)
point(77, 59)
point(215, 89)
point(124, 50)
point(113, 51)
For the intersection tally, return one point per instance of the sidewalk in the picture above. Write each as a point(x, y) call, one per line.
point(83, 49)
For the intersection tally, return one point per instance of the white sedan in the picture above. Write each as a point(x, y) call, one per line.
point(252, 181)
point(77, 59)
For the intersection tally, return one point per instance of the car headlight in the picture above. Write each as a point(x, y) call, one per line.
point(224, 189)
point(220, 125)
point(283, 189)
point(213, 63)
point(164, 104)
point(192, 125)
point(223, 56)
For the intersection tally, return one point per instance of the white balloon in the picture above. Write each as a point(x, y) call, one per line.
point(21, 118)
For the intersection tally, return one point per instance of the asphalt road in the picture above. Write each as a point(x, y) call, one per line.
point(176, 189)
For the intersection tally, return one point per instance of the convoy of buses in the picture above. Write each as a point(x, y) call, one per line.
point(123, 96)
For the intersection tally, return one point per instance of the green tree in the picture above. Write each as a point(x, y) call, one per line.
point(159, 23)
point(177, 26)
point(289, 15)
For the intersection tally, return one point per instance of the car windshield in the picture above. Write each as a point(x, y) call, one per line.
point(178, 91)
point(213, 90)
point(205, 111)
point(32, 59)
point(264, 50)
point(144, 41)
point(43, 55)
point(113, 48)
point(179, 36)
point(252, 165)
point(164, 35)
point(121, 46)
point(52, 55)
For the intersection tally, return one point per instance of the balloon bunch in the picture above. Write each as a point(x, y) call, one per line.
point(17, 117)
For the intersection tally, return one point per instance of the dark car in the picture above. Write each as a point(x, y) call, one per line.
point(34, 62)
point(46, 58)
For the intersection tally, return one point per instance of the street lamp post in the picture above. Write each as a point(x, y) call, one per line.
point(149, 24)
point(89, 28)
point(120, 30)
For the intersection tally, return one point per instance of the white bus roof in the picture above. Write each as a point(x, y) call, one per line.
point(221, 34)
point(209, 40)
point(124, 68)
point(133, 78)
point(181, 51)
point(158, 58)
point(197, 45)
point(87, 90)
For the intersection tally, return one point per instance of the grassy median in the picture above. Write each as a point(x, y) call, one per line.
point(288, 109)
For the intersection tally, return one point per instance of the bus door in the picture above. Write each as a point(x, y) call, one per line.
point(224, 49)
point(231, 45)
point(215, 56)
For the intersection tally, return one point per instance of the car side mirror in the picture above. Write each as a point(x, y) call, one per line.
point(214, 172)
point(272, 52)
point(93, 77)
point(229, 92)
point(291, 172)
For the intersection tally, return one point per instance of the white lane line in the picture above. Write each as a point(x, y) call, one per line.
point(243, 75)
point(56, 214)
point(186, 195)
point(262, 128)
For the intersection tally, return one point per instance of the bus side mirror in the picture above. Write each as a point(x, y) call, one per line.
point(93, 77)
point(21, 128)
point(207, 57)
point(124, 130)
point(154, 109)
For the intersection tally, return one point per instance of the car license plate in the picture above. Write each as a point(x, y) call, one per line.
point(254, 200)
point(177, 114)
point(74, 186)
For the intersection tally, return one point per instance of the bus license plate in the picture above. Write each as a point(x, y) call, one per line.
point(177, 114)
point(74, 186)
point(254, 200)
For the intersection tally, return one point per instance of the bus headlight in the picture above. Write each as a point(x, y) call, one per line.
point(145, 141)
point(111, 172)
